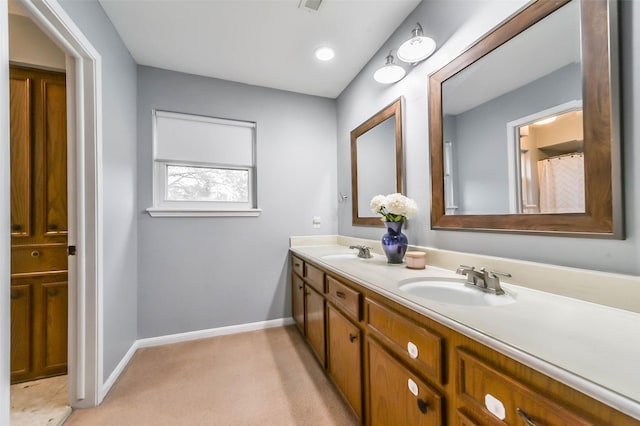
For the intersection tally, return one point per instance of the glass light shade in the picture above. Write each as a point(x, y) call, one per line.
point(389, 73)
point(416, 49)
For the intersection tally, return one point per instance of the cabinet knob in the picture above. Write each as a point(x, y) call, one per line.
point(525, 417)
point(16, 227)
point(52, 292)
point(52, 227)
point(35, 253)
point(340, 294)
point(352, 337)
point(422, 405)
point(300, 286)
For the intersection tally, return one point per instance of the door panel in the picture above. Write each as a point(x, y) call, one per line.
point(21, 156)
point(21, 329)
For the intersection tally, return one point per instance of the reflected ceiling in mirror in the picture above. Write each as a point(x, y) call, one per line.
point(490, 151)
point(376, 161)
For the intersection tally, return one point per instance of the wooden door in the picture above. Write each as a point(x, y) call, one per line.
point(314, 305)
point(38, 223)
point(297, 298)
point(397, 395)
point(343, 357)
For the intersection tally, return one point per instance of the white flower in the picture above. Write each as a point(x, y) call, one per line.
point(377, 203)
point(394, 207)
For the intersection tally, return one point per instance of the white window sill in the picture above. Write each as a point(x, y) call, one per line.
point(176, 212)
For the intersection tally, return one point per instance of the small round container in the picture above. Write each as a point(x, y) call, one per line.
point(416, 259)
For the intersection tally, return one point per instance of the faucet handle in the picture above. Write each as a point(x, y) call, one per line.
point(502, 274)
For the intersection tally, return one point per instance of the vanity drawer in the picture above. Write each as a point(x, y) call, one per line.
point(298, 265)
point(504, 400)
point(415, 342)
point(314, 276)
point(344, 297)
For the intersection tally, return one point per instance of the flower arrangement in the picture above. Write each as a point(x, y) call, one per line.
point(393, 207)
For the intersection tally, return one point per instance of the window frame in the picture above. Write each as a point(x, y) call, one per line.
point(163, 207)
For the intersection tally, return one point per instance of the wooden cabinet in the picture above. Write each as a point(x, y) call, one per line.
point(496, 396)
point(344, 348)
point(314, 315)
point(396, 366)
point(397, 396)
point(38, 223)
point(297, 301)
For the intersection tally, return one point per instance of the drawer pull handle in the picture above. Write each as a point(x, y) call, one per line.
point(525, 417)
point(52, 292)
point(300, 286)
point(352, 337)
point(340, 294)
point(422, 406)
point(16, 295)
point(296, 265)
point(35, 253)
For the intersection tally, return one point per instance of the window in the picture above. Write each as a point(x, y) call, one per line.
point(203, 166)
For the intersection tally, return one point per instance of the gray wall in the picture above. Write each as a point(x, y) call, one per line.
point(481, 138)
point(119, 177)
point(455, 25)
point(200, 273)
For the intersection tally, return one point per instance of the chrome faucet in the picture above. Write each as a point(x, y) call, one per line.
point(488, 281)
point(363, 251)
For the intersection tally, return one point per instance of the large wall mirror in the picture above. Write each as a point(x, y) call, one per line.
point(523, 126)
point(376, 161)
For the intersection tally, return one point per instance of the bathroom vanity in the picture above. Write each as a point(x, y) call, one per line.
point(399, 357)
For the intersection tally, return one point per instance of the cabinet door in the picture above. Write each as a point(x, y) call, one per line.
point(297, 301)
point(343, 357)
point(397, 396)
point(21, 329)
point(314, 305)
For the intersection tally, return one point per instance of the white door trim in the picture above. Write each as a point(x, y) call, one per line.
point(84, 84)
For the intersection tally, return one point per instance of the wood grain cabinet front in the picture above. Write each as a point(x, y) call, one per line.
point(314, 277)
point(344, 349)
point(501, 400)
point(315, 322)
point(415, 343)
point(397, 396)
point(297, 301)
point(344, 297)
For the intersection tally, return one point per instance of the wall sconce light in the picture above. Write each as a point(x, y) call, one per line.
point(417, 48)
point(390, 72)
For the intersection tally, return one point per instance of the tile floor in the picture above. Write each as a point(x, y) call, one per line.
point(40, 402)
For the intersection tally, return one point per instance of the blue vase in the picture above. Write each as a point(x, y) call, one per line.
point(394, 242)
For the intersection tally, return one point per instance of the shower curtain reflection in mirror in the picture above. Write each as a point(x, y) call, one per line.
point(562, 184)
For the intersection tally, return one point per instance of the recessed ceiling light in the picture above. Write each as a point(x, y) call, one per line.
point(325, 53)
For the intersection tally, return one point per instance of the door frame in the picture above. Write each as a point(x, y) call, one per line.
point(84, 138)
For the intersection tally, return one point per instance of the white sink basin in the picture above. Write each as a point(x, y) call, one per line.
point(452, 291)
point(344, 256)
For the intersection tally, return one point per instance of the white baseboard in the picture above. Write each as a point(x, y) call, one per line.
point(185, 337)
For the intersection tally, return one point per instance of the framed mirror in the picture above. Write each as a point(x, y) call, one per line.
point(376, 161)
point(524, 126)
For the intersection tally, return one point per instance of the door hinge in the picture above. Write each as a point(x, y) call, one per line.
point(71, 250)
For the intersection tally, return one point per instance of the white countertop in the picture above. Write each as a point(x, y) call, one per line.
point(592, 348)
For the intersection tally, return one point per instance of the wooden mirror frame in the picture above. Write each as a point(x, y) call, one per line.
point(603, 199)
point(394, 109)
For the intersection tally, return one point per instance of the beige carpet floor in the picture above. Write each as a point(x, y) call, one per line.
point(266, 377)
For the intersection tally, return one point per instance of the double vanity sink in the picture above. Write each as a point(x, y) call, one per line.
point(552, 334)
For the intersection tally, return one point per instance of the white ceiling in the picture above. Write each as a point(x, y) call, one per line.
point(266, 43)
